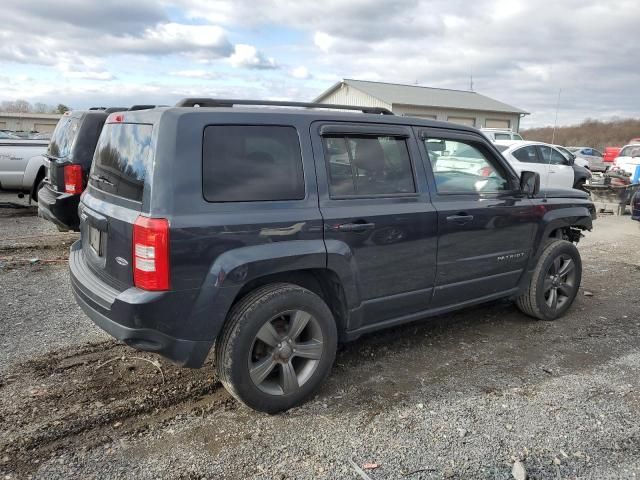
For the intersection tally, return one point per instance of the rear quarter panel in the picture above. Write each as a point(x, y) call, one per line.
point(14, 160)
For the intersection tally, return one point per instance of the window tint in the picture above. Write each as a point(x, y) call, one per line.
point(362, 165)
point(122, 159)
point(552, 156)
point(63, 137)
point(252, 163)
point(503, 136)
point(461, 167)
point(596, 153)
point(526, 154)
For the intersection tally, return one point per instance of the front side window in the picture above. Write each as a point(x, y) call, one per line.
point(368, 165)
point(462, 167)
point(526, 154)
point(245, 163)
point(552, 156)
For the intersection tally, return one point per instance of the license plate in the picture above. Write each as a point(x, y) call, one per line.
point(95, 240)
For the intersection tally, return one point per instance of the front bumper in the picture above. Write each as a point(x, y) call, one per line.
point(125, 315)
point(59, 208)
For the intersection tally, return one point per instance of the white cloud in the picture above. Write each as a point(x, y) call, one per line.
point(248, 56)
point(301, 73)
point(324, 41)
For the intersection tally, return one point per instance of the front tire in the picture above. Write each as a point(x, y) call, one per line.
point(554, 283)
point(277, 347)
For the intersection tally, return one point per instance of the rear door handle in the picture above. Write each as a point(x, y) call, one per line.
point(459, 219)
point(354, 227)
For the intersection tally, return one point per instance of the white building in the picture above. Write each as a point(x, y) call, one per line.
point(458, 106)
point(29, 122)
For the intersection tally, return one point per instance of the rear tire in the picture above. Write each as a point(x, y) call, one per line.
point(555, 282)
point(37, 185)
point(277, 347)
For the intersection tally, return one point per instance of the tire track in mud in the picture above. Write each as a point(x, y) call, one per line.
point(84, 397)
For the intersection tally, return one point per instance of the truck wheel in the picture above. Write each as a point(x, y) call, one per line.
point(555, 282)
point(277, 347)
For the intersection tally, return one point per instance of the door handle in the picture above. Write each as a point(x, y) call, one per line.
point(354, 227)
point(459, 219)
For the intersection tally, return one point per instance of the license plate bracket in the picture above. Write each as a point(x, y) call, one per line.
point(95, 240)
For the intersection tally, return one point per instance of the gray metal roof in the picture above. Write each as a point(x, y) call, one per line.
point(394, 93)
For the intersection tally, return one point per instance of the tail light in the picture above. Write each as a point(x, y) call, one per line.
point(151, 253)
point(486, 171)
point(73, 179)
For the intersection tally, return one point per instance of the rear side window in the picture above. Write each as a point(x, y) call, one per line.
point(122, 160)
point(368, 165)
point(63, 137)
point(526, 154)
point(244, 163)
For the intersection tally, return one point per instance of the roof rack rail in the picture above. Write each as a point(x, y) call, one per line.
point(143, 107)
point(97, 108)
point(219, 102)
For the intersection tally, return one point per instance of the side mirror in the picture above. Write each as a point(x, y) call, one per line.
point(530, 183)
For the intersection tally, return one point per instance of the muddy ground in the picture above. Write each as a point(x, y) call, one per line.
point(461, 396)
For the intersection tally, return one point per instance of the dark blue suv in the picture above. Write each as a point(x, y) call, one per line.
point(271, 234)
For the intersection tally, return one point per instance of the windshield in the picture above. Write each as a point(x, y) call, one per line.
point(63, 137)
point(630, 151)
point(566, 153)
point(122, 159)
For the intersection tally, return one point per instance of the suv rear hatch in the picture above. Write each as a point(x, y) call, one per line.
point(114, 200)
point(60, 149)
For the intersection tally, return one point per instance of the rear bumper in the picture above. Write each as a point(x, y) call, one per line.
point(59, 208)
point(125, 315)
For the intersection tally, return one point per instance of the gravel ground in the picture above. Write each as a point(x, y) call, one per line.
point(461, 396)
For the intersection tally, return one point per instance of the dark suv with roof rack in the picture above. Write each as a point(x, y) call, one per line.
point(270, 234)
point(67, 163)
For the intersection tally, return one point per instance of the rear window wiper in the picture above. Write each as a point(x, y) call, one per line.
point(103, 179)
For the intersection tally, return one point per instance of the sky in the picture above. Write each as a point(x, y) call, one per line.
point(582, 56)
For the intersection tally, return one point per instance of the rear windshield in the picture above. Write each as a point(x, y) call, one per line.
point(122, 159)
point(63, 137)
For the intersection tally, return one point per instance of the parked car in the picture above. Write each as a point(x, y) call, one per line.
point(495, 134)
point(594, 158)
point(555, 168)
point(628, 159)
point(67, 164)
point(22, 165)
point(572, 158)
point(7, 135)
point(635, 207)
point(229, 226)
point(610, 154)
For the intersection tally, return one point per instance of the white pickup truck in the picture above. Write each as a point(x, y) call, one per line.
point(22, 165)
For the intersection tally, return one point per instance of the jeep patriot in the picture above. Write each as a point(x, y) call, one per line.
point(271, 234)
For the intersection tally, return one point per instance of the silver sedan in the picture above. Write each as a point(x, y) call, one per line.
point(593, 156)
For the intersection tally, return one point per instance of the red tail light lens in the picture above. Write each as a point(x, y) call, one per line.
point(151, 253)
point(73, 179)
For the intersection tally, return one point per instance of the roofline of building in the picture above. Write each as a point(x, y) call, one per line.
point(51, 116)
point(336, 85)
